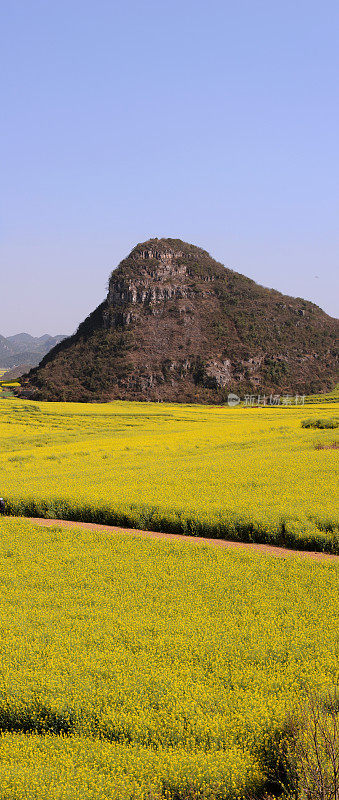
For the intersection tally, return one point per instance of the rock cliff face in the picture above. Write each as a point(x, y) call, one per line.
point(177, 325)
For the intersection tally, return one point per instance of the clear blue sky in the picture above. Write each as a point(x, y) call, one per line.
point(215, 122)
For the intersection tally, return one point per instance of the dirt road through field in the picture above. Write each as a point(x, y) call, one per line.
point(260, 549)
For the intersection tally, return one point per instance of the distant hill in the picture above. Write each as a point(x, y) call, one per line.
point(15, 373)
point(177, 325)
point(24, 349)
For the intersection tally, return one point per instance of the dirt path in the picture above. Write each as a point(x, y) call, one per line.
point(260, 549)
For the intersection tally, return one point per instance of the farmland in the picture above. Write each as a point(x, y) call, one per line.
point(241, 473)
point(6, 386)
point(133, 668)
point(141, 669)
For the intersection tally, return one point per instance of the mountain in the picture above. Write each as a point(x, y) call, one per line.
point(5, 350)
point(24, 349)
point(22, 340)
point(178, 326)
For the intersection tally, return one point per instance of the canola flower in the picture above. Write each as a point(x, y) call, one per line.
point(246, 473)
point(138, 669)
point(69, 768)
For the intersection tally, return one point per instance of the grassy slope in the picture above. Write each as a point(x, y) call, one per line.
point(248, 473)
point(328, 397)
point(182, 660)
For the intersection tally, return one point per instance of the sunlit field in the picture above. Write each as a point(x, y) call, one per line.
point(246, 473)
point(6, 386)
point(134, 668)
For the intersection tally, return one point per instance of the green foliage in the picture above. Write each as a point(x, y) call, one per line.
point(275, 370)
point(320, 423)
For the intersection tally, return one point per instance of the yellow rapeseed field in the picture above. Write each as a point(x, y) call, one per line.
point(140, 669)
point(247, 473)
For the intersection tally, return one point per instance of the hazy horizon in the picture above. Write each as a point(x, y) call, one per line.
point(214, 123)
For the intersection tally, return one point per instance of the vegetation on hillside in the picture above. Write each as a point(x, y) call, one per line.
point(178, 326)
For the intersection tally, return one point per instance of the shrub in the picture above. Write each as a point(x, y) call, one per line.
point(314, 748)
point(320, 423)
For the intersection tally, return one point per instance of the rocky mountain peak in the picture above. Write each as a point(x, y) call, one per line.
point(178, 325)
point(161, 269)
